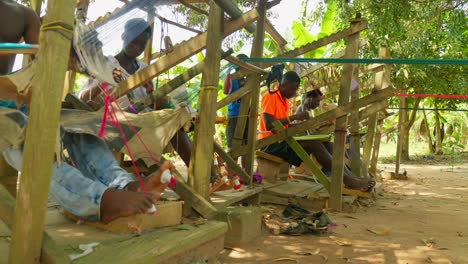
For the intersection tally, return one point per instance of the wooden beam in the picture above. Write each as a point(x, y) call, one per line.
point(315, 122)
point(190, 196)
point(181, 52)
point(149, 45)
point(202, 151)
point(234, 12)
point(41, 137)
point(355, 138)
point(319, 66)
point(232, 97)
point(50, 252)
point(174, 83)
point(232, 164)
point(313, 45)
point(384, 81)
point(271, 30)
point(199, 10)
point(245, 65)
point(253, 82)
point(305, 157)
point(30, 51)
point(351, 51)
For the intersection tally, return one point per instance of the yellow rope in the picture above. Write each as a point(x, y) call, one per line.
point(209, 87)
point(59, 26)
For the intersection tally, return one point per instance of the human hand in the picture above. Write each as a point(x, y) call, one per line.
point(117, 75)
point(301, 116)
point(148, 86)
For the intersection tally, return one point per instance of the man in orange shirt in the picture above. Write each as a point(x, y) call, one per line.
point(275, 106)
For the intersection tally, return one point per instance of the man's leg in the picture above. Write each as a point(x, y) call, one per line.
point(325, 158)
point(182, 144)
point(94, 159)
point(87, 197)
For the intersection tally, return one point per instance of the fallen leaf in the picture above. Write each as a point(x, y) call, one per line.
point(324, 257)
point(428, 242)
point(310, 253)
point(350, 216)
point(379, 232)
point(286, 259)
point(341, 242)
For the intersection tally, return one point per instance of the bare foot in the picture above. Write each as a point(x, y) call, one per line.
point(120, 203)
point(362, 184)
point(153, 182)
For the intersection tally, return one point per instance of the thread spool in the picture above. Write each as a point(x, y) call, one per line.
point(237, 184)
point(152, 210)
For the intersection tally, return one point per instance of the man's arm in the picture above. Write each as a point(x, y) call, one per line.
point(33, 25)
point(227, 84)
point(268, 119)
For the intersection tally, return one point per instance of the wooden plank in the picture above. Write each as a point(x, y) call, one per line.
point(31, 51)
point(385, 82)
point(159, 246)
point(202, 151)
point(253, 82)
point(271, 30)
point(299, 150)
point(244, 107)
point(313, 45)
point(41, 137)
point(355, 137)
point(50, 252)
point(232, 164)
point(245, 65)
point(181, 52)
point(190, 196)
point(174, 83)
point(223, 199)
point(232, 97)
point(315, 122)
point(70, 77)
point(77, 103)
point(352, 46)
point(149, 45)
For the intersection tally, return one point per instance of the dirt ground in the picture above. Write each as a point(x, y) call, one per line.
point(421, 220)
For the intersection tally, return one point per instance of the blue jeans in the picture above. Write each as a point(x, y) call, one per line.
point(79, 190)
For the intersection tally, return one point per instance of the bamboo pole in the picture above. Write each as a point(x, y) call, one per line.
point(385, 82)
point(355, 138)
point(372, 122)
point(254, 82)
point(202, 152)
point(341, 123)
point(41, 137)
point(149, 45)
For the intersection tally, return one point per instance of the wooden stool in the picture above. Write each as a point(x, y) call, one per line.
point(271, 167)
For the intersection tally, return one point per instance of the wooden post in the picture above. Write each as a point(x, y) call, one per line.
point(372, 122)
point(202, 152)
point(70, 77)
point(149, 45)
point(355, 138)
point(384, 77)
point(41, 137)
point(401, 122)
point(253, 83)
point(341, 123)
point(376, 148)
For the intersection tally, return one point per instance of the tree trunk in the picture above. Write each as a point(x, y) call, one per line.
point(438, 134)
point(428, 133)
point(404, 130)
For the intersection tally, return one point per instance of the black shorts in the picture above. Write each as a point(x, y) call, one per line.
point(284, 151)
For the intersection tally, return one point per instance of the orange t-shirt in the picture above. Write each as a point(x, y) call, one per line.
point(275, 105)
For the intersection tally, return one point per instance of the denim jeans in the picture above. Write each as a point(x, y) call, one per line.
point(79, 190)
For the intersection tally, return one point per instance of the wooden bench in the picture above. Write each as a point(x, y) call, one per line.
point(271, 167)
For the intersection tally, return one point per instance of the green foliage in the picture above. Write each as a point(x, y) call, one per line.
point(302, 35)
